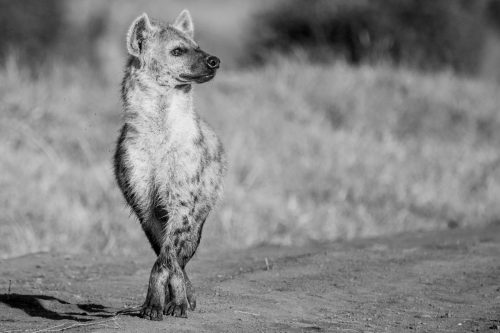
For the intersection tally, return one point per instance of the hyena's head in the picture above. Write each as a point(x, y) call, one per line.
point(167, 53)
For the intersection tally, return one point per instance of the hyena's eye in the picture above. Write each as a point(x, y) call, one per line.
point(178, 51)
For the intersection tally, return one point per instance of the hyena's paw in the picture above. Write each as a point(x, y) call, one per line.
point(178, 301)
point(152, 312)
point(176, 310)
point(153, 307)
point(171, 306)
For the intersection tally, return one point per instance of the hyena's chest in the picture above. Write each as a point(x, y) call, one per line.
point(166, 163)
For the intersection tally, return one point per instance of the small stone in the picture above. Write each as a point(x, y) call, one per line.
point(445, 315)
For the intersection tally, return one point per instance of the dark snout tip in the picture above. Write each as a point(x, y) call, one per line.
point(213, 62)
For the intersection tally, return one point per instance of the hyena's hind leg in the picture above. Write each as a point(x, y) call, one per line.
point(189, 292)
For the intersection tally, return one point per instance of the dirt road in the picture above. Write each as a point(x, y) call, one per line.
point(447, 281)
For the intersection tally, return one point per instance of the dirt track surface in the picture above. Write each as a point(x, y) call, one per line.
point(447, 281)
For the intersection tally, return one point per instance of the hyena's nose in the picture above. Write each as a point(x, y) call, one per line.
point(212, 62)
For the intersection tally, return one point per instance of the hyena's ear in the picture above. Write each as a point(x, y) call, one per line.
point(137, 33)
point(184, 23)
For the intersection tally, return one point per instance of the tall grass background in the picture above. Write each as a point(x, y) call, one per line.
point(317, 152)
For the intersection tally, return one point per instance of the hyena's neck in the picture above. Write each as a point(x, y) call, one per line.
point(149, 107)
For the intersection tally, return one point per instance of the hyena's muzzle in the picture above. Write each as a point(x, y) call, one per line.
point(203, 67)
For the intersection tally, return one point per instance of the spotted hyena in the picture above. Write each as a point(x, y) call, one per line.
point(169, 163)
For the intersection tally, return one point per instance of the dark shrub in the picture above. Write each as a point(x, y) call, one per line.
point(36, 30)
point(424, 33)
point(493, 13)
point(30, 27)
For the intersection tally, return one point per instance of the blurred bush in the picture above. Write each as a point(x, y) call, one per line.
point(428, 34)
point(30, 28)
point(34, 31)
point(493, 13)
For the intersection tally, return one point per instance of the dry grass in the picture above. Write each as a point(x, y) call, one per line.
point(315, 153)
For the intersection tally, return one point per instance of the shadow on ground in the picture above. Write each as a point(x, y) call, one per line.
point(53, 308)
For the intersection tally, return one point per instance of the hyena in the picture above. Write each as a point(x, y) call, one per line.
point(168, 163)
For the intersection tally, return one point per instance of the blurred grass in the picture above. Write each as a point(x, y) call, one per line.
point(316, 152)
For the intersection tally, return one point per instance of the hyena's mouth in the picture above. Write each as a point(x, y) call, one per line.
point(198, 78)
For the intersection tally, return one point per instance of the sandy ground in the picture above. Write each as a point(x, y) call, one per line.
point(447, 281)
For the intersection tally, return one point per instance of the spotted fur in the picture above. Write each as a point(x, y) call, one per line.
point(168, 163)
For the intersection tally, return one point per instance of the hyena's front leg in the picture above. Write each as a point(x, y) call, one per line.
point(178, 291)
point(189, 295)
point(167, 291)
point(155, 299)
point(180, 249)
